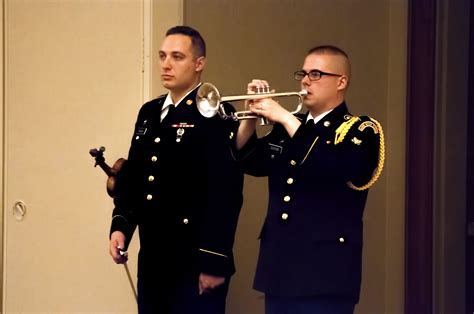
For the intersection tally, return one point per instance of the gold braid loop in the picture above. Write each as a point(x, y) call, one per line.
point(380, 163)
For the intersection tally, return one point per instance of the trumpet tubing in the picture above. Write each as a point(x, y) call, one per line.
point(209, 102)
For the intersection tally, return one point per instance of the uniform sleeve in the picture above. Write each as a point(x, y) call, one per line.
point(124, 216)
point(359, 151)
point(224, 201)
point(255, 156)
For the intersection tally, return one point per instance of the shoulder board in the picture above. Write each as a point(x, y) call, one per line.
point(356, 124)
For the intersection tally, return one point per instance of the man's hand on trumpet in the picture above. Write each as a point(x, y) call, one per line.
point(269, 108)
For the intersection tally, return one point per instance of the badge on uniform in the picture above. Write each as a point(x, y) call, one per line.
point(181, 128)
point(368, 124)
point(356, 141)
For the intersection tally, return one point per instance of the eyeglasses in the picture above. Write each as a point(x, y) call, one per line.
point(313, 75)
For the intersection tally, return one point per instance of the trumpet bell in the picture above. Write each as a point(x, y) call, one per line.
point(208, 100)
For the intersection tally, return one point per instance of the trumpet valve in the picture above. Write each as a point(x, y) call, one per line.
point(263, 90)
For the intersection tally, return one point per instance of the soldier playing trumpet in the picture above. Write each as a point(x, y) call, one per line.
point(319, 167)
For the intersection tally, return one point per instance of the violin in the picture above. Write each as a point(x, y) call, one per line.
point(111, 172)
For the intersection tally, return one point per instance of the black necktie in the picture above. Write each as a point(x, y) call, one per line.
point(309, 126)
point(170, 110)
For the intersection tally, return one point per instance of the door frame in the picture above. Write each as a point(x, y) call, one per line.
point(470, 177)
point(420, 156)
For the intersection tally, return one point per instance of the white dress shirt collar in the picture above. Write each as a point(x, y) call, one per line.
point(318, 117)
point(169, 101)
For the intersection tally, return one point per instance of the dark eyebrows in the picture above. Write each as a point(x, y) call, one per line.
point(172, 53)
point(177, 54)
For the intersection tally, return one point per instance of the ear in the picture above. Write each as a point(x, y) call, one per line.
point(199, 64)
point(343, 82)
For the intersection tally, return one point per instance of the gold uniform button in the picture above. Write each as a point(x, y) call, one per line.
point(328, 142)
point(154, 159)
point(292, 162)
point(341, 240)
point(151, 178)
point(327, 123)
point(231, 135)
point(290, 181)
point(137, 137)
point(284, 216)
point(149, 197)
point(185, 221)
point(157, 140)
point(287, 198)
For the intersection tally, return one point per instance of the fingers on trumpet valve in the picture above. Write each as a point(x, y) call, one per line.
point(258, 86)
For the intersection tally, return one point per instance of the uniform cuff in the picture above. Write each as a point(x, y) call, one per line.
point(216, 263)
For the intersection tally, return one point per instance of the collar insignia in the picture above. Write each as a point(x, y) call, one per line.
point(356, 141)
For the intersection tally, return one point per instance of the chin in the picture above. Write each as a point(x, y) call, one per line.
point(167, 84)
point(309, 105)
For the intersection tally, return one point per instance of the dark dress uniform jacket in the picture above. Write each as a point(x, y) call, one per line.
point(311, 240)
point(183, 190)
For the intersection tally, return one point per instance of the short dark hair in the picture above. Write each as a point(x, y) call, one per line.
point(334, 51)
point(198, 43)
point(328, 49)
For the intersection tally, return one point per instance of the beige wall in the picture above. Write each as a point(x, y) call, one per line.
point(268, 39)
point(73, 81)
point(165, 14)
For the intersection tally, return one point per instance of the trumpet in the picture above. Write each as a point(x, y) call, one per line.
point(209, 102)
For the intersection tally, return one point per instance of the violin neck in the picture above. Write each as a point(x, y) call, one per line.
point(109, 171)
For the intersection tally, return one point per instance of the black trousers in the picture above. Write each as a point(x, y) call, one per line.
point(307, 305)
point(179, 298)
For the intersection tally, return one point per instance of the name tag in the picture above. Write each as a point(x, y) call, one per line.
point(276, 148)
point(141, 131)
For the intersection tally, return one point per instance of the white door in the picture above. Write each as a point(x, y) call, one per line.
point(73, 82)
